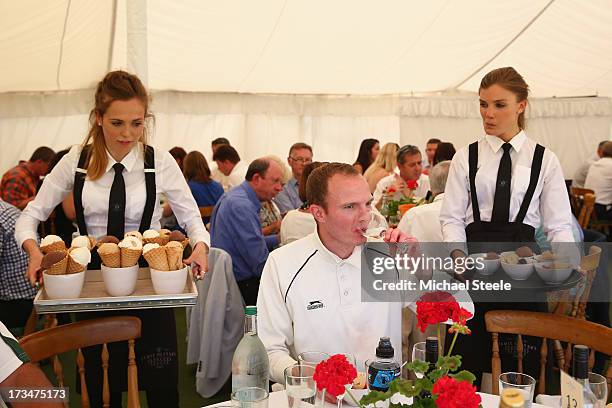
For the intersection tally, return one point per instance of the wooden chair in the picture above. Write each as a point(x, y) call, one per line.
point(586, 211)
point(57, 340)
point(206, 212)
point(577, 197)
point(546, 325)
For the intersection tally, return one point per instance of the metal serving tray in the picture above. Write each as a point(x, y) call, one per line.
point(95, 298)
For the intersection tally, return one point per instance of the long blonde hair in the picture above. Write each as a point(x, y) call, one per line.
point(116, 85)
point(386, 159)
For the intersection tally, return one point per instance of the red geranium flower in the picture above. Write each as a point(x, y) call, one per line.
point(334, 374)
point(391, 189)
point(438, 307)
point(455, 394)
point(412, 184)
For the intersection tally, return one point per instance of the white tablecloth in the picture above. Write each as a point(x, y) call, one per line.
point(279, 400)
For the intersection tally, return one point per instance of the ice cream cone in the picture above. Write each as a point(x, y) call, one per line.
point(175, 257)
point(157, 240)
point(58, 268)
point(185, 242)
point(110, 255)
point(56, 246)
point(74, 266)
point(157, 259)
point(130, 256)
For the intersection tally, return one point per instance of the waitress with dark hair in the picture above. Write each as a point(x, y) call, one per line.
point(114, 159)
point(499, 190)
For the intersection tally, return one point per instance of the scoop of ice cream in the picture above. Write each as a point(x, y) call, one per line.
point(150, 234)
point(49, 239)
point(177, 236)
point(149, 247)
point(108, 239)
point(82, 241)
point(130, 242)
point(134, 234)
point(524, 252)
point(174, 244)
point(51, 259)
point(164, 232)
point(491, 255)
point(81, 255)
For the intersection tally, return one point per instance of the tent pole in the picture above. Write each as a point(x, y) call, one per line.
point(111, 44)
point(137, 50)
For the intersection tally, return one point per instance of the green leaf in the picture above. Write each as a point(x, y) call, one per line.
point(450, 363)
point(464, 375)
point(437, 374)
point(418, 366)
point(374, 396)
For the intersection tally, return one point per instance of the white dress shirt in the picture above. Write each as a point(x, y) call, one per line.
point(8, 360)
point(168, 180)
point(599, 180)
point(583, 170)
point(235, 178)
point(549, 207)
point(421, 190)
point(423, 222)
point(296, 224)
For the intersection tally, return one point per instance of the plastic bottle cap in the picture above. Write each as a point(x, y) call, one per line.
point(385, 349)
point(250, 310)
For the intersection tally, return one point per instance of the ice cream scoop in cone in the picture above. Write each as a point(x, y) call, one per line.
point(73, 266)
point(110, 255)
point(54, 246)
point(130, 256)
point(157, 259)
point(174, 251)
point(58, 268)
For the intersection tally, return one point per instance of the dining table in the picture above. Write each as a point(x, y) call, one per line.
point(278, 399)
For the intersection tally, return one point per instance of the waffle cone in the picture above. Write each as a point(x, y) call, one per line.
point(74, 266)
point(157, 259)
point(157, 240)
point(185, 242)
point(129, 256)
point(175, 257)
point(111, 259)
point(59, 268)
point(56, 246)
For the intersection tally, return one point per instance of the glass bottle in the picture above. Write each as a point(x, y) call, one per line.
point(580, 365)
point(250, 364)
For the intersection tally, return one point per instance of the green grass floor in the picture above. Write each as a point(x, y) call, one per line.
point(189, 398)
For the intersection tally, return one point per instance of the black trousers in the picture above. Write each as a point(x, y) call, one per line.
point(15, 313)
point(249, 289)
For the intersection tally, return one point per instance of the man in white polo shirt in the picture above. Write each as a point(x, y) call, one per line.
point(310, 293)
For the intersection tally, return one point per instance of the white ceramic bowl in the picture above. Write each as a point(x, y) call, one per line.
point(552, 276)
point(490, 265)
point(64, 286)
point(519, 271)
point(169, 282)
point(120, 281)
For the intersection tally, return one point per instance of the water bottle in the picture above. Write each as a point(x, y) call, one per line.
point(250, 364)
point(384, 368)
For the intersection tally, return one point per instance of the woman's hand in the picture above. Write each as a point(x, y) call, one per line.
point(35, 258)
point(198, 260)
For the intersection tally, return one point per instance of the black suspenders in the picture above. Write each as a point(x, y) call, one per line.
point(79, 181)
point(536, 167)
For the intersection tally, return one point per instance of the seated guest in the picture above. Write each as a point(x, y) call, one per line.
point(16, 293)
point(423, 222)
point(179, 155)
point(583, 170)
point(235, 226)
point(383, 165)
point(205, 190)
point(410, 170)
point(367, 153)
point(325, 267)
point(599, 179)
point(19, 184)
point(218, 142)
point(430, 151)
point(445, 151)
point(300, 154)
point(16, 371)
point(231, 169)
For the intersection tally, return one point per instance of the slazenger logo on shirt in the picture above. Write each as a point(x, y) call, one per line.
point(315, 304)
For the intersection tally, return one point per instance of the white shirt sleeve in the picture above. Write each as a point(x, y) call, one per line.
point(8, 360)
point(456, 202)
point(274, 322)
point(181, 201)
point(56, 186)
point(554, 204)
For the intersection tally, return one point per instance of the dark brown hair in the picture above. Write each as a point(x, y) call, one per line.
point(304, 180)
point(510, 80)
point(316, 186)
point(445, 151)
point(299, 145)
point(115, 86)
point(195, 167)
point(226, 152)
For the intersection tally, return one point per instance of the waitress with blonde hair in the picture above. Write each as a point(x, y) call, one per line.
point(500, 189)
point(114, 159)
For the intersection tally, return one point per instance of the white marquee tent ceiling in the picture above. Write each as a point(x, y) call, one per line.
point(562, 47)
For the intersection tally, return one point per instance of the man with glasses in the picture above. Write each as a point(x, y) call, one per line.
point(300, 154)
point(410, 181)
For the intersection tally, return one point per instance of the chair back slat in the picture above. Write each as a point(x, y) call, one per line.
point(58, 370)
point(80, 359)
point(105, 386)
point(133, 401)
point(588, 205)
point(519, 352)
point(543, 360)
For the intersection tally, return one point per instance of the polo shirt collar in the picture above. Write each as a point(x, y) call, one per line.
point(250, 194)
point(128, 161)
point(354, 259)
point(517, 142)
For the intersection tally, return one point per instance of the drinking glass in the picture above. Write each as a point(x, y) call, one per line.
point(300, 385)
point(418, 353)
point(250, 397)
point(521, 382)
point(599, 386)
point(312, 358)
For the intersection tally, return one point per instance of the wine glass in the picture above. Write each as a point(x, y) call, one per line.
point(312, 357)
point(599, 386)
point(418, 353)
